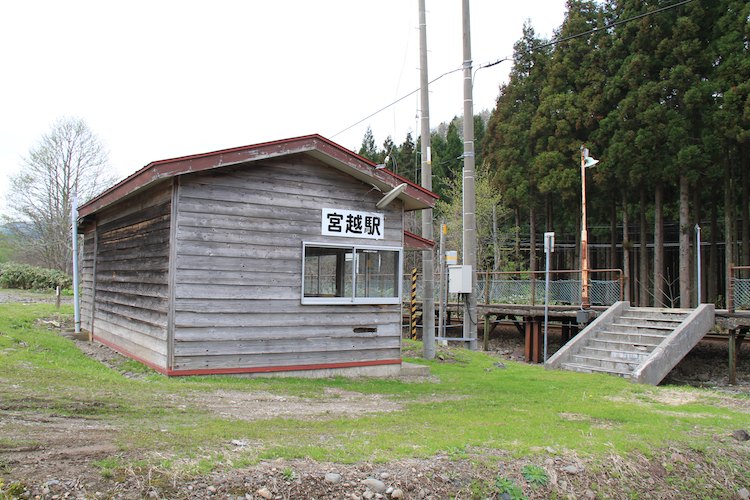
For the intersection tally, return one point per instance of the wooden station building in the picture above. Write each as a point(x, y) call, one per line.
point(283, 256)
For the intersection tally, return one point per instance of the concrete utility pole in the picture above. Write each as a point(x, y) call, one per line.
point(469, 194)
point(428, 268)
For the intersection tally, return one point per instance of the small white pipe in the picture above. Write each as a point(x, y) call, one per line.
point(698, 261)
point(76, 298)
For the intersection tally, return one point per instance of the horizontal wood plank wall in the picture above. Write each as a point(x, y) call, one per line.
point(87, 279)
point(132, 269)
point(239, 270)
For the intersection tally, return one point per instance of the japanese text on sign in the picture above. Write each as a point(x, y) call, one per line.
point(352, 224)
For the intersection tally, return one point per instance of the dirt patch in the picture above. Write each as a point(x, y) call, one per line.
point(260, 405)
point(48, 447)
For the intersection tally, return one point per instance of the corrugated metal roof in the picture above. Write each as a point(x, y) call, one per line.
point(414, 197)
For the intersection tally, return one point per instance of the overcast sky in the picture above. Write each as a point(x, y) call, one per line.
point(158, 79)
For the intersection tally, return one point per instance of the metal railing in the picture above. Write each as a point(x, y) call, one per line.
point(527, 288)
point(739, 288)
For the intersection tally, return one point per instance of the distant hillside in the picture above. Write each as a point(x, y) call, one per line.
point(15, 227)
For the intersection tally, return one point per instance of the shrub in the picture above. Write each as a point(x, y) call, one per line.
point(28, 277)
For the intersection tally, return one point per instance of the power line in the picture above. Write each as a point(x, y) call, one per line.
point(610, 25)
point(393, 103)
point(536, 47)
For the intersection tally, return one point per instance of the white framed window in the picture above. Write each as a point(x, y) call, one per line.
point(350, 274)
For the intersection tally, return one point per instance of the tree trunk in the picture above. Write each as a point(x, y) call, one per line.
point(684, 242)
point(532, 238)
point(658, 248)
point(713, 254)
point(532, 250)
point(495, 242)
point(728, 232)
point(643, 257)
point(625, 250)
point(517, 248)
point(745, 206)
point(548, 208)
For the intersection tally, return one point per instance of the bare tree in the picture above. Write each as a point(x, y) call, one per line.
point(68, 160)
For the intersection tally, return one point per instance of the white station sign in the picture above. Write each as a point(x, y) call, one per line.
point(352, 224)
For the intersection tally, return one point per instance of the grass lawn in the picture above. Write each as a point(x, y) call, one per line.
point(472, 408)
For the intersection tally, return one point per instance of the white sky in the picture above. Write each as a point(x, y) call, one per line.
point(163, 78)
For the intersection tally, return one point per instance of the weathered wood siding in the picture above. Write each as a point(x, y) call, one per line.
point(238, 273)
point(87, 278)
point(130, 286)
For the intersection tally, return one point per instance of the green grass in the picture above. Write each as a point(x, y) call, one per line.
point(518, 411)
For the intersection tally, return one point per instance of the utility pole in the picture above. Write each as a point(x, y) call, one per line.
point(428, 268)
point(469, 194)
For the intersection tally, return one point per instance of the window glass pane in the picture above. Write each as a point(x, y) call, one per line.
point(377, 273)
point(328, 272)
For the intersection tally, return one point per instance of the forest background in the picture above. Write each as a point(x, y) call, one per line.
point(660, 93)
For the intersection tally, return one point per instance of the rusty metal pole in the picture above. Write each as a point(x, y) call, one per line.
point(584, 237)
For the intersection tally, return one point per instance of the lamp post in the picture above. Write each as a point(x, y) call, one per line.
point(586, 161)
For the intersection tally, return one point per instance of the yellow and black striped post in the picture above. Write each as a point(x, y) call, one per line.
point(413, 315)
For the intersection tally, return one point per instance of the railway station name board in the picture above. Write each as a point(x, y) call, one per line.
point(352, 224)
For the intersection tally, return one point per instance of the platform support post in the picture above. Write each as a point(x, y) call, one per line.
point(486, 333)
point(732, 348)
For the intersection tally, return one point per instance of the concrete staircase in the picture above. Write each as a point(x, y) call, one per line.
point(639, 343)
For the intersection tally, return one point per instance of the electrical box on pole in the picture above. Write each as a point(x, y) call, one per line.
point(459, 279)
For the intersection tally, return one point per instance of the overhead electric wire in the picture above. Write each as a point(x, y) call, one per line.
point(393, 103)
point(610, 25)
point(536, 47)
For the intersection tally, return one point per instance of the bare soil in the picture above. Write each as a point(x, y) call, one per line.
point(48, 455)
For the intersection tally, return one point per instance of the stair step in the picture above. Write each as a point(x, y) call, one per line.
point(637, 330)
point(649, 338)
point(604, 362)
point(621, 345)
point(591, 369)
point(658, 310)
point(648, 322)
point(636, 356)
point(655, 315)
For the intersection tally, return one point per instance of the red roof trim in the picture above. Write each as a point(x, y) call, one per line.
point(164, 169)
point(415, 242)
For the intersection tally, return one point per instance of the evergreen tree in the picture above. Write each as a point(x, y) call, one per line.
point(368, 148)
point(511, 144)
point(406, 159)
